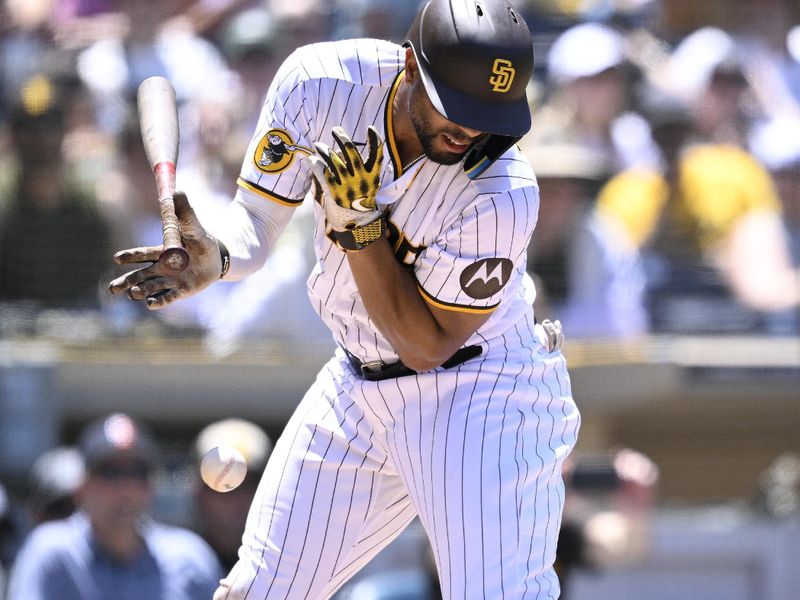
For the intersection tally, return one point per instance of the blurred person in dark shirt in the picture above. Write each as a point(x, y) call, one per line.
point(112, 547)
point(54, 242)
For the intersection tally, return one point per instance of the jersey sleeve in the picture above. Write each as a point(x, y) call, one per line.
point(481, 256)
point(274, 165)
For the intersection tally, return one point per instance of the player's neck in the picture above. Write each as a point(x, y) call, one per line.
point(405, 136)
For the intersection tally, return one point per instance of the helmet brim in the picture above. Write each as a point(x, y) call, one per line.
point(502, 118)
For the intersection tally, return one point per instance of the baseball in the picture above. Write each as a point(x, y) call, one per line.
point(223, 468)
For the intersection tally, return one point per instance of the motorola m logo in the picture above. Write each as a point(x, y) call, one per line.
point(486, 277)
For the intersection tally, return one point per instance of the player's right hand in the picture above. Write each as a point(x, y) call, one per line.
point(349, 186)
point(152, 283)
point(345, 176)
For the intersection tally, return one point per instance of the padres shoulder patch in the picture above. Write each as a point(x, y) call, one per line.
point(486, 277)
point(275, 152)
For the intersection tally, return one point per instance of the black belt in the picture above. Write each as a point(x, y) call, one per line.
point(378, 370)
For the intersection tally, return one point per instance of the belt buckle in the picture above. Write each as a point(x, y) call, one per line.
point(372, 367)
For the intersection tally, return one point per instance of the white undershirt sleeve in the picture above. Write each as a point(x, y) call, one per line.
point(250, 228)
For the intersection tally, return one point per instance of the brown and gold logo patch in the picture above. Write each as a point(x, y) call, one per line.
point(276, 150)
point(486, 277)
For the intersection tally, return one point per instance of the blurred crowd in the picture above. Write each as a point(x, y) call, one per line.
point(668, 160)
point(115, 512)
point(669, 166)
point(93, 519)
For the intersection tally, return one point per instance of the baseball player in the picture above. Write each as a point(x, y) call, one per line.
point(444, 399)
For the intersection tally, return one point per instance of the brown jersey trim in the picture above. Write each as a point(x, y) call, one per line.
point(481, 310)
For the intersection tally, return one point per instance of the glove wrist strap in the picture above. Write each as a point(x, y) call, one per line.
point(359, 238)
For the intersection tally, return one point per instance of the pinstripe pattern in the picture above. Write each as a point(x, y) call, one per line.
point(452, 221)
point(475, 451)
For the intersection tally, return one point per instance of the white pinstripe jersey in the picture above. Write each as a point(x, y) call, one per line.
point(465, 239)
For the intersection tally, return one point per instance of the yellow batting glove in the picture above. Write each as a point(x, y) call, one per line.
point(350, 185)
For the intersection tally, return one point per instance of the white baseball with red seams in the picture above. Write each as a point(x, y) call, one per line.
point(223, 468)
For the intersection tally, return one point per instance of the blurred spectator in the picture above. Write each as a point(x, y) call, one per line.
point(111, 548)
point(149, 44)
point(27, 47)
point(709, 72)
point(251, 42)
point(776, 143)
point(589, 274)
point(589, 81)
point(221, 516)
point(609, 502)
point(762, 31)
point(54, 242)
point(55, 478)
point(710, 225)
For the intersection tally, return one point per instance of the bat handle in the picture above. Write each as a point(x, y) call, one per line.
point(174, 258)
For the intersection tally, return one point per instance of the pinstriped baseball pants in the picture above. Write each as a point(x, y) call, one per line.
point(476, 451)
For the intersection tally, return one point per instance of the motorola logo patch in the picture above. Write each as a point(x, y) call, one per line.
point(486, 277)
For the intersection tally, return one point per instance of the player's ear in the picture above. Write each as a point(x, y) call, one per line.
point(412, 70)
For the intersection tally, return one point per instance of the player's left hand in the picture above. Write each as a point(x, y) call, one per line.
point(350, 185)
point(159, 288)
point(554, 334)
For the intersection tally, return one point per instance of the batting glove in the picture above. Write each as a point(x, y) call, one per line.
point(554, 334)
point(350, 186)
point(207, 263)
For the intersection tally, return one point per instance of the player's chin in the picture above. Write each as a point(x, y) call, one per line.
point(441, 150)
point(445, 157)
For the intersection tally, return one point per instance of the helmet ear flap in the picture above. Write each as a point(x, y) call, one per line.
point(485, 151)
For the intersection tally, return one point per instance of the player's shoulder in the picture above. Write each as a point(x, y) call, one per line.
point(510, 174)
point(362, 61)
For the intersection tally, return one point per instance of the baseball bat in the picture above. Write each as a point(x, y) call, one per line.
point(158, 120)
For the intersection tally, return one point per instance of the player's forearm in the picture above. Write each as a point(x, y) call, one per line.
point(249, 230)
point(395, 305)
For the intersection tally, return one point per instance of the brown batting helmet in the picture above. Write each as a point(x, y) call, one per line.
point(475, 59)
